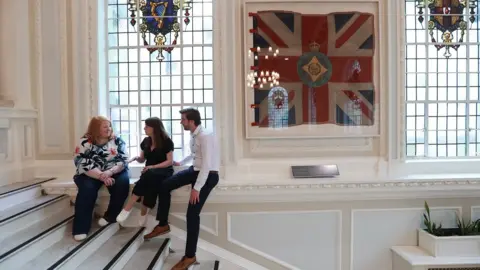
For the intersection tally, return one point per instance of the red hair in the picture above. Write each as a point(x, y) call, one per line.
point(93, 131)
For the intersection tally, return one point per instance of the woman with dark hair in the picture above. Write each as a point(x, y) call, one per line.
point(157, 151)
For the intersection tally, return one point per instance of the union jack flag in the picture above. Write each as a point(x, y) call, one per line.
point(325, 63)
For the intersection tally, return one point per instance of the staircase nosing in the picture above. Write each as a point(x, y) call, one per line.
point(26, 187)
point(38, 236)
point(72, 252)
point(124, 248)
point(159, 252)
point(35, 207)
point(217, 265)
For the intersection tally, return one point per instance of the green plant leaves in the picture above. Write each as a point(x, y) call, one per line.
point(463, 227)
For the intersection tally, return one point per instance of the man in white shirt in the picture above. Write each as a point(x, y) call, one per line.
point(202, 175)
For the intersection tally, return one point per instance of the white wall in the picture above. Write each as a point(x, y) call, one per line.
point(246, 159)
point(17, 125)
point(6, 44)
point(17, 145)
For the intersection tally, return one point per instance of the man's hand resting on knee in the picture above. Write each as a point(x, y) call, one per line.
point(194, 196)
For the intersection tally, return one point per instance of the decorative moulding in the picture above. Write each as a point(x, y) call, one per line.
point(6, 103)
point(449, 246)
point(229, 193)
point(273, 258)
point(214, 231)
point(11, 113)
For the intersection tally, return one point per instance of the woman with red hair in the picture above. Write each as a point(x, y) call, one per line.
point(101, 159)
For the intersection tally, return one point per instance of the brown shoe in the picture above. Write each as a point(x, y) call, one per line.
point(158, 230)
point(184, 263)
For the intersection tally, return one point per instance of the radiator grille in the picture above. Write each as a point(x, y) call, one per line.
point(461, 268)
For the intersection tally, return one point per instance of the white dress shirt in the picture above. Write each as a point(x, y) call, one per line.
point(205, 155)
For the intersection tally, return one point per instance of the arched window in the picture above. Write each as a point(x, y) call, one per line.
point(160, 60)
point(442, 48)
point(278, 107)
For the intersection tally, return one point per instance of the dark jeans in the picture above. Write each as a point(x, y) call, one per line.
point(87, 195)
point(149, 185)
point(183, 178)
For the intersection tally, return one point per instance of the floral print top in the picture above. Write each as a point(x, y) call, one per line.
point(89, 156)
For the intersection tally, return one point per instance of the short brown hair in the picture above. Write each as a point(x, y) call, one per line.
point(192, 114)
point(93, 131)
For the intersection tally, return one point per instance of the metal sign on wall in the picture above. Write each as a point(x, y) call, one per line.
point(315, 171)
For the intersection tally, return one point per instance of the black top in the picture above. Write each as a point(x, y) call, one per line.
point(158, 155)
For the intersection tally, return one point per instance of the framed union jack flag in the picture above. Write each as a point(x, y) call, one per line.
point(325, 64)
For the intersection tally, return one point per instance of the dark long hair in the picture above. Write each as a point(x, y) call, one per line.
point(159, 133)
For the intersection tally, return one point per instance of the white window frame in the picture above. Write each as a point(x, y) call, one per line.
point(399, 165)
point(104, 106)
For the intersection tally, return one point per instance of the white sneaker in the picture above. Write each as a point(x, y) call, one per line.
point(102, 222)
point(123, 216)
point(143, 220)
point(79, 237)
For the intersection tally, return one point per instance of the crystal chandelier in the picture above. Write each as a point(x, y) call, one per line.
point(257, 78)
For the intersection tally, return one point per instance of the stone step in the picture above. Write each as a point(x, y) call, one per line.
point(54, 252)
point(19, 217)
point(116, 251)
point(37, 234)
point(150, 255)
point(86, 248)
point(31, 241)
point(14, 194)
point(174, 258)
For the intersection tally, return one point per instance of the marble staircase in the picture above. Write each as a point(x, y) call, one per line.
point(35, 233)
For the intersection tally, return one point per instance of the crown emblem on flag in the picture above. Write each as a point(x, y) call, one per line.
point(314, 46)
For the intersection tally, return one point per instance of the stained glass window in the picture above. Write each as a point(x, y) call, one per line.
point(160, 60)
point(442, 48)
point(278, 107)
point(353, 114)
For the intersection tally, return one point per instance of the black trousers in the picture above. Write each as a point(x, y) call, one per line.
point(183, 178)
point(87, 195)
point(149, 183)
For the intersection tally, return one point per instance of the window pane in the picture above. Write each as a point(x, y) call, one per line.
point(157, 65)
point(442, 70)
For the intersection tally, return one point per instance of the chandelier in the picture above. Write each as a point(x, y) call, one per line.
point(257, 78)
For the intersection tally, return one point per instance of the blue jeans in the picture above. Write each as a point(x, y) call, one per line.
point(87, 195)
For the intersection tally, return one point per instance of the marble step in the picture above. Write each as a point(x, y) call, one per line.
point(151, 255)
point(54, 252)
point(116, 251)
point(13, 194)
point(85, 249)
point(31, 231)
point(31, 241)
point(200, 265)
point(19, 217)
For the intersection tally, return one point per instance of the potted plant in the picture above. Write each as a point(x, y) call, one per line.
point(462, 241)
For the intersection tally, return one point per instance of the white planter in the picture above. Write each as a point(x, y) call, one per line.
point(449, 246)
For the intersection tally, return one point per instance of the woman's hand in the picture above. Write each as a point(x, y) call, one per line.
point(105, 175)
point(176, 163)
point(109, 181)
point(132, 160)
point(146, 168)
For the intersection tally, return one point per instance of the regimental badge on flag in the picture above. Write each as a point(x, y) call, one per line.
point(325, 64)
